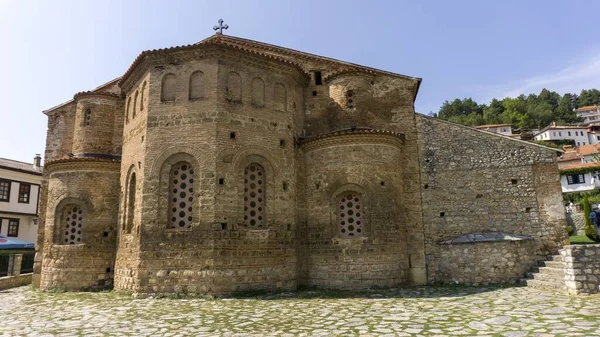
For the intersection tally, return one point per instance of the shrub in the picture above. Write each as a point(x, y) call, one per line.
point(570, 230)
point(590, 231)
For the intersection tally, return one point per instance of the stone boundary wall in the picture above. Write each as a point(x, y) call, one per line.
point(582, 268)
point(9, 282)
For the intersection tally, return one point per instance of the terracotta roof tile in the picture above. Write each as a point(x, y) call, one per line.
point(579, 166)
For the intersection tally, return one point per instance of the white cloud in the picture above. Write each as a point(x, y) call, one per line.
point(581, 74)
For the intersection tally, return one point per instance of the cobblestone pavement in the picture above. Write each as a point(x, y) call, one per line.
point(419, 311)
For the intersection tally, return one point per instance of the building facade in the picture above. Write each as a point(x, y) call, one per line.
point(590, 113)
point(503, 129)
point(233, 165)
point(19, 198)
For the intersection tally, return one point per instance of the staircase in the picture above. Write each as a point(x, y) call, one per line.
point(548, 275)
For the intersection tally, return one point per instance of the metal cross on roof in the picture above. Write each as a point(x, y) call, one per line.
point(220, 27)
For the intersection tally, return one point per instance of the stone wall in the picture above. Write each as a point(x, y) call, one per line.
point(93, 186)
point(582, 268)
point(474, 181)
point(502, 261)
point(376, 255)
point(9, 282)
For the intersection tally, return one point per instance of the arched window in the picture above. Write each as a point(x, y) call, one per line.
point(71, 225)
point(142, 96)
point(181, 196)
point(254, 196)
point(258, 92)
point(350, 99)
point(196, 85)
point(280, 97)
point(130, 206)
point(127, 110)
point(350, 215)
point(135, 99)
point(234, 87)
point(87, 117)
point(168, 88)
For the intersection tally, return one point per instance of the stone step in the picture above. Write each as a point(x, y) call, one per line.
point(549, 277)
point(552, 264)
point(551, 270)
point(557, 258)
point(539, 284)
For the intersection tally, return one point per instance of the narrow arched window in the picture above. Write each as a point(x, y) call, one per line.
point(196, 85)
point(258, 92)
point(168, 88)
point(130, 207)
point(181, 196)
point(254, 196)
point(350, 215)
point(127, 110)
point(71, 225)
point(234, 87)
point(280, 97)
point(87, 117)
point(135, 99)
point(350, 99)
point(142, 96)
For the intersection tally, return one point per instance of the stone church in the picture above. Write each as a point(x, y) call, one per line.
point(232, 165)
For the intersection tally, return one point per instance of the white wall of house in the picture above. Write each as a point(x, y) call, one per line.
point(20, 213)
point(591, 116)
point(589, 183)
point(579, 135)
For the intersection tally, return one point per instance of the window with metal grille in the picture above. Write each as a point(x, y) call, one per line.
point(181, 196)
point(350, 99)
point(575, 179)
point(4, 190)
point(13, 228)
point(254, 196)
point(72, 223)
point(350, 211)
point(24, 192)
point(88, 117)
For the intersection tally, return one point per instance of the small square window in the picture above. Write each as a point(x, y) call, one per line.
point(232, 135)
point(4, 190)
point(24, 192)
point(13, 228)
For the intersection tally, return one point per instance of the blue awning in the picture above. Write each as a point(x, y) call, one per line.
point(13, 243)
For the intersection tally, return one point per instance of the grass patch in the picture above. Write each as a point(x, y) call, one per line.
point(580, 240)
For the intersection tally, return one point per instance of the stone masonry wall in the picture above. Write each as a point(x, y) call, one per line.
point(473, 181)
point(366, 165)
point(94, 187)
point(218, 254)
point(582, 268)
point(484, 262)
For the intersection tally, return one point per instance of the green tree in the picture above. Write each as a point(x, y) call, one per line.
point(566, 109)
point(588, 97)
point(459, 107)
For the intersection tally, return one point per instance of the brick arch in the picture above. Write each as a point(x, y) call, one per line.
point(129, 200)
point(245, 156)
point(163, 156)
point(258, 92)
point(60, 207)
point(352, 186)
point(164, 195)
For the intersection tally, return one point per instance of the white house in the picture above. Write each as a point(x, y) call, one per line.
point(590, 114)
point(579, 177)
point(503, 129)
point(19, 198)
point(578, 134)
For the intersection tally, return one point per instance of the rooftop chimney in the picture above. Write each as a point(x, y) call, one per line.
point(37, 160)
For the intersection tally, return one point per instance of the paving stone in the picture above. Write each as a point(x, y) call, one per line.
point(414, 311)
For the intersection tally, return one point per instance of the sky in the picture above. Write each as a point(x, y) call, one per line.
point(480, 49)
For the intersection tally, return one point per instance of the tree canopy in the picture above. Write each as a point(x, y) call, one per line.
point(523, 112)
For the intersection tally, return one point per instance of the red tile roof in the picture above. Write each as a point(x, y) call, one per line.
point(579, 166)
